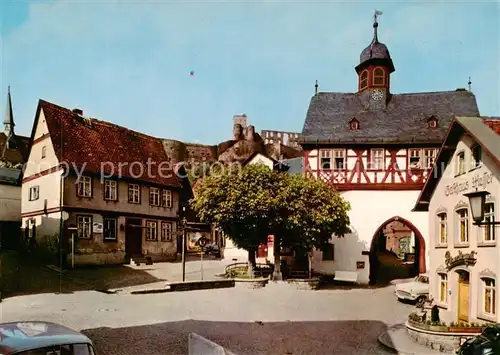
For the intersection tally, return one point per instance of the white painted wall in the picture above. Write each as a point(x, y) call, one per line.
point(369, 210)
point(261, 159)
point(488, 257)
point(10, 203)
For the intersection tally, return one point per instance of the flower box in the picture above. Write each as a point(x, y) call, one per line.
point(465, 329)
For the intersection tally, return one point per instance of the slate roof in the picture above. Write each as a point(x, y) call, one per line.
point(484, 131)
point(10, 176)
point(295, 165)
point(403, 119)
point(86, 142)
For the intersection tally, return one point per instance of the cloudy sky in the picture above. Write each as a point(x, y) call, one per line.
point(129, 62)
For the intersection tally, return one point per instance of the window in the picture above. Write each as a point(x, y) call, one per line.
point(326, 159)
point(34, 193)
point(151, 230)
point(84, 187)
point(489, 296)
point(463, 225)
point(329, 252)
point(44, 152)
point(378, 77)
point(429, 158)
point(134, 193)
point(69, 349)
point(443, 288)
point(354, 125)
point(443, 239)
point(363, 80)
point(432, 123)
point(109, 229)
point(154, 196)
point(377, 159)
point(460, 164)
point(84, 225)
point(476, 157)
point(166, 231)
point(339, 155)
point(166, 199)
point(489, 216)
point(415, 156)
point(110, 190)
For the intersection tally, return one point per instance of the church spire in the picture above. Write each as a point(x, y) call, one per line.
point(375, 26)
point(8, 120)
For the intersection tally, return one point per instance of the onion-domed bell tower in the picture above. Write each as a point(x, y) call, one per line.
point(375, 67)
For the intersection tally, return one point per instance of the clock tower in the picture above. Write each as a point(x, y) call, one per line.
point(375, 67)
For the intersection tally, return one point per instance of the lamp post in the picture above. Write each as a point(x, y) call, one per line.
point(184, 226)
point(477, 203)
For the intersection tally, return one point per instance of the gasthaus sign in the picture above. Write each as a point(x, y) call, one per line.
point(478, 181)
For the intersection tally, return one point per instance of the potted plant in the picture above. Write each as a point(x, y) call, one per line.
point(464, 327)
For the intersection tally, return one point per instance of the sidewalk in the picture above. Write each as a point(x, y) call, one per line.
point(398, 339)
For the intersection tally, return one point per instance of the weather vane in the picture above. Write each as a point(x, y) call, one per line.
point(376, 15)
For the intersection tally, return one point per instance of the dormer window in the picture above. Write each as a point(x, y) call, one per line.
point(379, 77)
point(363, 80)
point(432, 122)
point(353, 124)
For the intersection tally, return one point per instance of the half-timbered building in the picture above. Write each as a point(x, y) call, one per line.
point(377, 148)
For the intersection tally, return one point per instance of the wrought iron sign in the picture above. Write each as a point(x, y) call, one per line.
point(461, 259)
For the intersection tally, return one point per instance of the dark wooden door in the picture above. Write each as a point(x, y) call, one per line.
point(133, 237)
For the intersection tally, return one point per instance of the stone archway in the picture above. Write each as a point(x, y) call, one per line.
point(419, 247)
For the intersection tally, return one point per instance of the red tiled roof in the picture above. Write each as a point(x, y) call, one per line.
point(103, 147)
point(493, 123)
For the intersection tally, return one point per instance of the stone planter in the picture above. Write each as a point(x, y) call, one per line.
point(429, 327)
point(305, 284)
point(251, 283)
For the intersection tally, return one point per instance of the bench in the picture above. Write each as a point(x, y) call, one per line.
point(349, 276)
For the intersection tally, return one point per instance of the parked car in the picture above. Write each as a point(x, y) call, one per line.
point(487, 343)
point(212, 249)
point(42, 338)
point(416, 290)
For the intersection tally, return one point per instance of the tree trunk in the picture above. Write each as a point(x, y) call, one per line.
point(277, 276)
point(251, 263)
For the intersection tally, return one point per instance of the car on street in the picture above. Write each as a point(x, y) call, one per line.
point(487, 343)
point(42, 338)
point(416, 290)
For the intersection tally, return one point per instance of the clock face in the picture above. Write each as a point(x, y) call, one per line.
point(377, 94)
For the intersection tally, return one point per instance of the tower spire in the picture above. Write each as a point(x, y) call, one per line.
point(316, 87)
point(8, 120)
point(375, 25)
point(470, 85)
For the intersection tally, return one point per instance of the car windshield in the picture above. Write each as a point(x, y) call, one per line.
point(491, 333)
point(423, 279)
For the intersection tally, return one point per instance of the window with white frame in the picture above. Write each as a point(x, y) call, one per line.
point(489, 216)
point(460, 164)
point(463, 225)
point(377, 159)
point(489, 292)
point(84, 226)
point(429, 158)
point(443, 230)
point(414, 159)
point(84, 186)
point(166, 200)
point(166, 231)
point(339, 156)
point(443, 288)
point(154, 196)
point(34, 193)
point(476, 156)
point(134, 193)
point(109, 229)
point(326, 159)
point(110, 190)
point(151, 230)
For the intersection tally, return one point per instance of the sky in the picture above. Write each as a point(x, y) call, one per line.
point(129, 62)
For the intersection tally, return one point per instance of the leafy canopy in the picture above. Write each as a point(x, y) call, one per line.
point(249, 203)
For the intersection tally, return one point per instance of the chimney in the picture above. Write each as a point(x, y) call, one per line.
point(78, 111)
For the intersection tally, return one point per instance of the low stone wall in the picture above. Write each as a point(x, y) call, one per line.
point(442, 341)
point(200, 285)
point(305, 284)
point(251, 283)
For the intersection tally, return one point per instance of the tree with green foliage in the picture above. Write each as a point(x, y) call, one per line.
point(252, 202)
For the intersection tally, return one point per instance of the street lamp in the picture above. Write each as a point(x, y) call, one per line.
point(477, 202)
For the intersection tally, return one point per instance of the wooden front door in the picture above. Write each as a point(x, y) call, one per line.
point(463, 297)
point(133, 237)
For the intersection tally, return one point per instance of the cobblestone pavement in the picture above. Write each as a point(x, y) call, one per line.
point(262, 321)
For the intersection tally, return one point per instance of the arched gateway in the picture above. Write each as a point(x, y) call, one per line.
point(383, 247)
